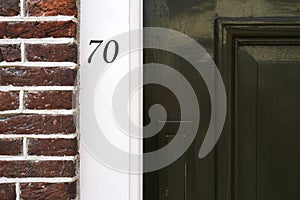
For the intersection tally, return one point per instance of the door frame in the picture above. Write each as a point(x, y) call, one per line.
point(131, 187)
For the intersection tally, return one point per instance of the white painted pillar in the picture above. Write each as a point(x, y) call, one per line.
point(100, 20)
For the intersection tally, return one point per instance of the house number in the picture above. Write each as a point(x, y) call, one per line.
point(99, 42)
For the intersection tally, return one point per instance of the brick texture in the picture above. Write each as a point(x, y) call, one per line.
point(9, 7)
point(37, 29)
point(19, 169)
point(9, 100)
point(38, 70)
point(48, 191)
point(7, 191)
point(11, 147)
point(51, 7)
point(52, 147)
point(10, 53)
point(37, 124)
point(37, 76)
point(48, 100)
point(52, 52)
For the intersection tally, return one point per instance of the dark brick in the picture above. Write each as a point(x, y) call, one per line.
point(48, 191)
point(2, 28)
point(52, 147)
point(11, 147)
point(21, 169)
point(7, 191)
point(52, 52)
point(9, 7)
point(38, 29)
point(37, 76)
point(51, 7)
point(10, 53)
point(9, 100)
point(48, 99)
point(37, 124)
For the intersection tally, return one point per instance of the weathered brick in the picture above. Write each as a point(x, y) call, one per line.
point(9, 100)
point(37, 124)
point(37, 76)
point(48, 191)
point(7, 191)
point(37, 29)
point(10, 53)
point(52, 52)
point(52, 147)
point(11, 147)
point(51, 7)
point(21, 169)
point(9, 7)
point(48, 99)
point(2, 29)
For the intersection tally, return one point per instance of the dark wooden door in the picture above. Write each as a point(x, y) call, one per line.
point(256, 46)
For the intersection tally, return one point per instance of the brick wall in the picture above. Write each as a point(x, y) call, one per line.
point(38, 138)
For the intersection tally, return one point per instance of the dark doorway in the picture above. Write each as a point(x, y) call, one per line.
point(256, 46)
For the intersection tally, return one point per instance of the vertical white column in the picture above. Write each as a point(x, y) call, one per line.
point(136, 103)
point(101, 20)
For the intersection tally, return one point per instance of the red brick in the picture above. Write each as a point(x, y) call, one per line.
point(37, 124)
point(37, 76)
point(48, 191)
point(38, 29)
point(52, 52)
point(9, 7)
point(10, 53)
point(7, 191)
point(51, 7)
point(9, 100)
point(48, 100)
point(2, 28)
point(52, 147)
point(21, 169)
point(11, 147)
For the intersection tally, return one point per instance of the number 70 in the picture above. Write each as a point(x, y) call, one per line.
point(99, 42)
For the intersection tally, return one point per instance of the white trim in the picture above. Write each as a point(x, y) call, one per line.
point(21, 99)
point(22, 8)
point(38, 180)
point(22, 47)
point(99, 181)
point(25, 147)
point(18, 191)
point(136, 61)
point(38, 19)
point(31, 136)
point(38, 64)
point(38, 88)
point(50, 112)
point(40, 112)
point(38, 158)
point(38, 41)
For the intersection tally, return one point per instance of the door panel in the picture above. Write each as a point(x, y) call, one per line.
point(267, 128)
point(258, 151)
point(278, 131)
